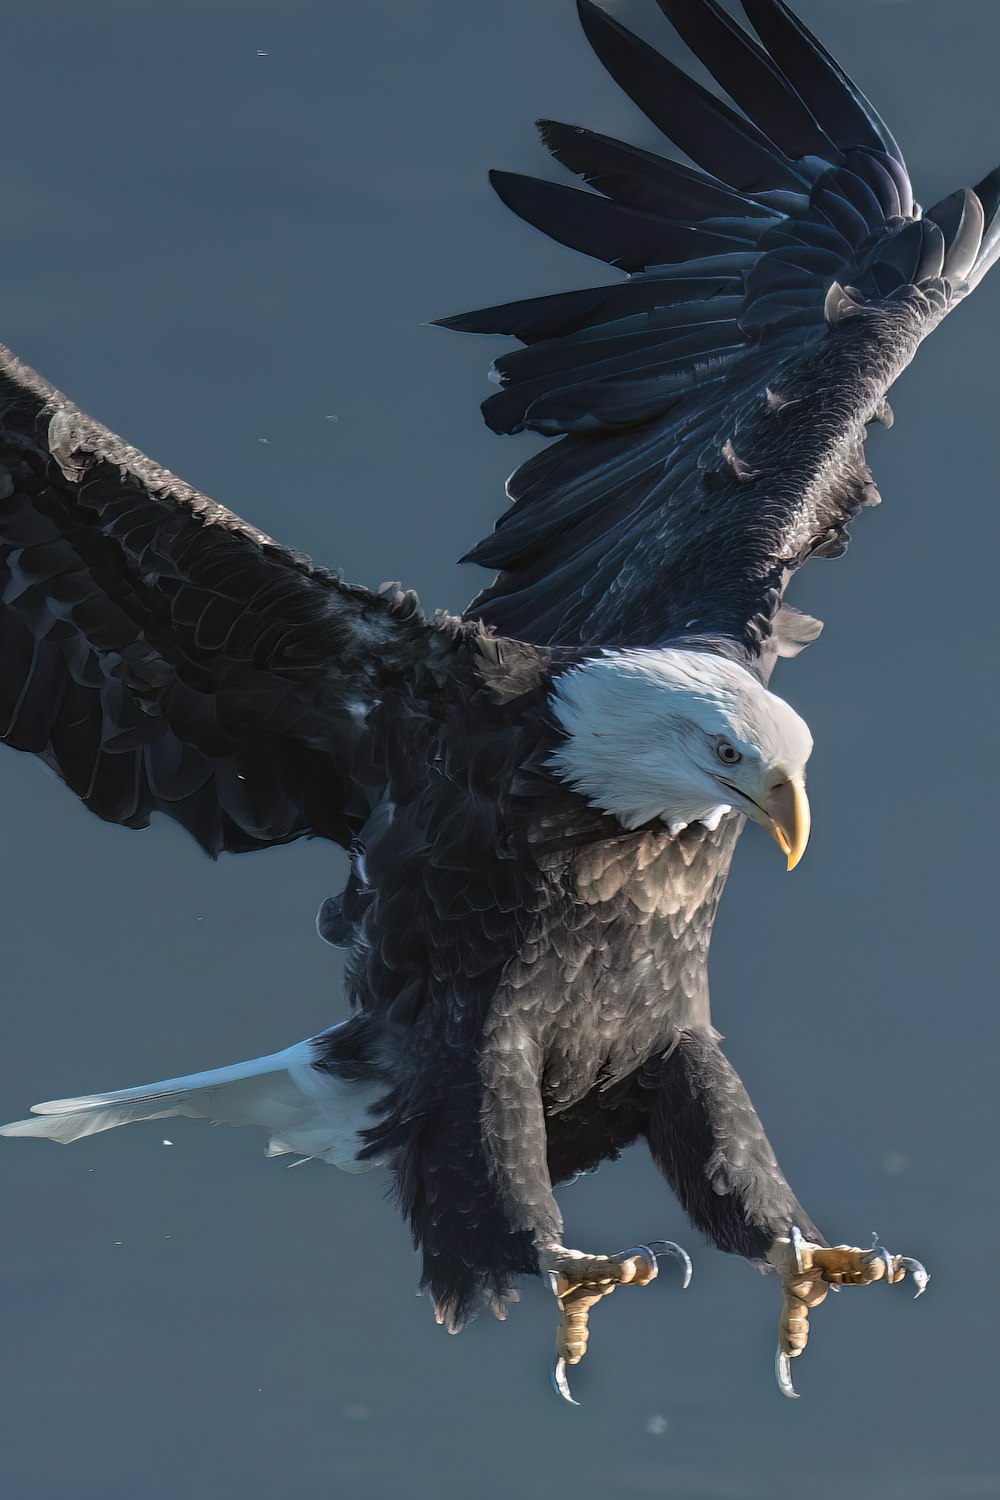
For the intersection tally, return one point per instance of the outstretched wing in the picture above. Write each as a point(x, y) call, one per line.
point(712, 407)
point(161, 655)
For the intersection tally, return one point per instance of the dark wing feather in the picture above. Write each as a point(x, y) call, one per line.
point(835, 101)
point(701, 125)
point(162, 656)
point(749, 77)
point(712, 409)
point(552, 317)
point(625, 237)
point(642, 179)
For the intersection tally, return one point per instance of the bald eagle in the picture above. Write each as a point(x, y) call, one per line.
point(541, 799)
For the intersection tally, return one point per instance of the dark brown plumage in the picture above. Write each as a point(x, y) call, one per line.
point(528, 972)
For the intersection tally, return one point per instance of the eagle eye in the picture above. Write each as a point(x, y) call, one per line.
point(727, 753)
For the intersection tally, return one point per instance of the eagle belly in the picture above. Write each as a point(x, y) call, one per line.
point(621, 967)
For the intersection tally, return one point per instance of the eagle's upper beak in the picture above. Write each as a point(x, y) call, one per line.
point(783, 811)
point(786, 815)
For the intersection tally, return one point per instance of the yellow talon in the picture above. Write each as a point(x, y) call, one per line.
point(807, 1273)
point(579, 1282)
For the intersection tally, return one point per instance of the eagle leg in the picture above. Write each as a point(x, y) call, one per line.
point(580, 1281)
point(707, 1140)
point(807, 1273)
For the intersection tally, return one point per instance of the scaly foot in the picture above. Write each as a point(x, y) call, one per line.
point(808, 1272)
point(579, 1281)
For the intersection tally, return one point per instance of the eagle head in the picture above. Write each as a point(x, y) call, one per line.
point(686, 737)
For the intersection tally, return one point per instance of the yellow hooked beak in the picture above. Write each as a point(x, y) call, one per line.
point(786, 816)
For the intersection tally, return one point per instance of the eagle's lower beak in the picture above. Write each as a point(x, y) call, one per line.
point(788, 819)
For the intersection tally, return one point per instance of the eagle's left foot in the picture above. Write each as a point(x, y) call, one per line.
point(807, 1273)
point(579, 1282)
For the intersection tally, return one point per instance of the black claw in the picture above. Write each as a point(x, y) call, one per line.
point(560, 1383)
point(668, 1247)
point(795, 1235)
point(783, 1374)
point(920, 1275)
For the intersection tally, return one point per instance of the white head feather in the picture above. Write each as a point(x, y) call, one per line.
point(644, 731)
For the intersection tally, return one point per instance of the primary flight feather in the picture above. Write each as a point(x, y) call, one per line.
point(541, 800)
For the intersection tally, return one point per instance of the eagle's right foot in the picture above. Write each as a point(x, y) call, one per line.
point(579, 1282)
point(807, 1273)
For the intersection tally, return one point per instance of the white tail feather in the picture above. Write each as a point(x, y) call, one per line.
point(304, 1109)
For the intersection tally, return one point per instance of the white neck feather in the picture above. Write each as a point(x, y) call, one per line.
point(628, 746)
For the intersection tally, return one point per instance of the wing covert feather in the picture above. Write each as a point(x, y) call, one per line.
point(161, 655)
